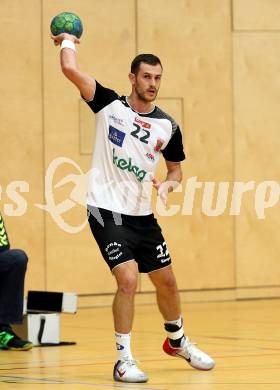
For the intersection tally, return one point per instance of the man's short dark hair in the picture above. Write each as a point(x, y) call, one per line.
point(149, 59)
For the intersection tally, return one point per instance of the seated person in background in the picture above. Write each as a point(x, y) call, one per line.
point(13, 264)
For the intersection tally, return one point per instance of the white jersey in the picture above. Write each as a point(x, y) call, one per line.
point(127, 148)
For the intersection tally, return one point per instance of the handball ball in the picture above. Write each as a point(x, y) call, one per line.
point(67, 22)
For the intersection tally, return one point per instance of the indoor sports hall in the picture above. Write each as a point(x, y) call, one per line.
point(220, 83)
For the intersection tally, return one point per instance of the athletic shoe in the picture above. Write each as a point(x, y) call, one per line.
point(127, 371)
point(188, 351)
point(9, 340)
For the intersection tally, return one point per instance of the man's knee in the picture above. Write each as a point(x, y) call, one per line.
point(128, 284)
point(169, 283)
point(20, 258)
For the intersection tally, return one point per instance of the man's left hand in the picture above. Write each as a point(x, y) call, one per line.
point(162, 189)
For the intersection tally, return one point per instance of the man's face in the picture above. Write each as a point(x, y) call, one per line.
point(147, 82)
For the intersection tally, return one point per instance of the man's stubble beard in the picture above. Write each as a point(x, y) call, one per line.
point(141, 96)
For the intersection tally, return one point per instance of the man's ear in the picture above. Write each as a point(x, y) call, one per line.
point(132, 78)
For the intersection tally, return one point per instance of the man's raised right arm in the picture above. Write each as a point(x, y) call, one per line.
point(68, 61)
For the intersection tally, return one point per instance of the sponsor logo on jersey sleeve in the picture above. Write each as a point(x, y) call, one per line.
point(159, 144)
point(123, 164)
point(116, 136)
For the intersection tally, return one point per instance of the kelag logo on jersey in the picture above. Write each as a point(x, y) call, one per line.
point(123, 164)
point(116, 136)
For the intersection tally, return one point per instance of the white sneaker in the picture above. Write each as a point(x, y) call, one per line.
point(188, 351)
point(127, 371)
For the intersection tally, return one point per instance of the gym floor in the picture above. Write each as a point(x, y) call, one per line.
point(243, 337)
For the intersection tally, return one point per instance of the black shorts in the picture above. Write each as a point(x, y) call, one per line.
point(122, 238)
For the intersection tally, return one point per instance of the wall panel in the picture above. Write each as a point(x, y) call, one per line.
point(193, 39)
point(256, 15)
point(107, 45)
point(256, 96)
point(22, 130)
point(42, 119)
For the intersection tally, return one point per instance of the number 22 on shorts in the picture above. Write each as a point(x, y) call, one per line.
point(163, 253)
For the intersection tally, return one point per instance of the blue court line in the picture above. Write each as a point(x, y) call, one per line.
point(5, 378)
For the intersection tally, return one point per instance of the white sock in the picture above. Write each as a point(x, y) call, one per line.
point(123, 346)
